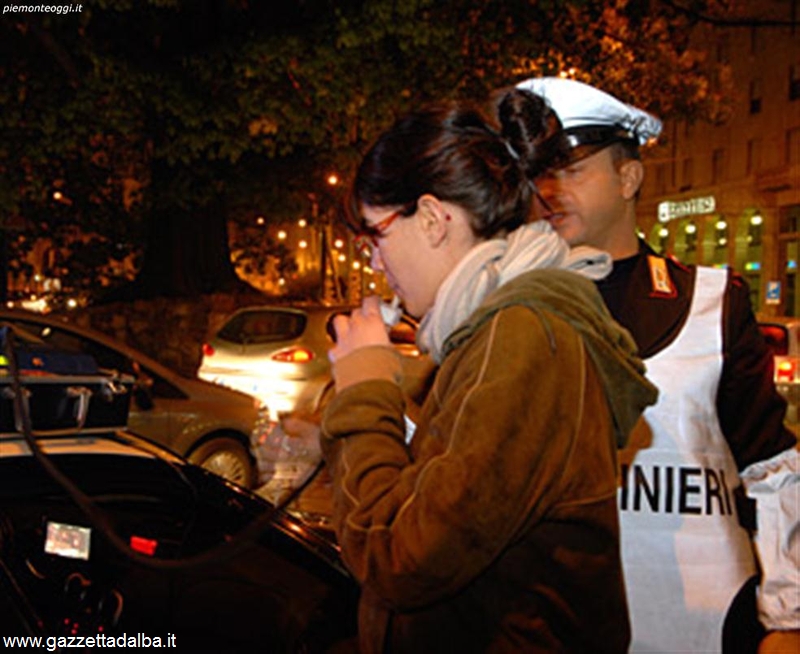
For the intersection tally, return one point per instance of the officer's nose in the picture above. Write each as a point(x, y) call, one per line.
point(543, 196)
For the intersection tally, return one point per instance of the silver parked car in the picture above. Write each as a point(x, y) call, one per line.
point(279, 354)
point(211, 426)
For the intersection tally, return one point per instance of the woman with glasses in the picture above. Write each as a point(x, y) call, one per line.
point(494, 526)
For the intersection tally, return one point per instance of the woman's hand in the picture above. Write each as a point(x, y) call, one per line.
point(363, 328)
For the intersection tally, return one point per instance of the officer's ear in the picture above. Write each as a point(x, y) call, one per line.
point(631, 172)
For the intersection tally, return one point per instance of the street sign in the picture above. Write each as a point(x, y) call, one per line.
point(693, 207)
point(773, 292)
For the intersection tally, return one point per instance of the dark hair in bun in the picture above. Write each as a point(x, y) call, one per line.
point(454, 153)
point(533, 130)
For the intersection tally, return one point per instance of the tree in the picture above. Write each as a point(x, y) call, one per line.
point(153, 123)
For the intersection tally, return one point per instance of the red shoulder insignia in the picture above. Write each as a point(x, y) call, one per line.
point(660, 280)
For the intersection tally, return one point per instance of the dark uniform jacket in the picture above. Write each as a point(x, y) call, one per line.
point(750, 410)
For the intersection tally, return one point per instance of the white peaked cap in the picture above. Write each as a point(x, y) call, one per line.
point(580, 105)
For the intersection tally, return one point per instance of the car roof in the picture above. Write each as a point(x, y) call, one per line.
point(87, 332)
point(184, 382)
point(298, 308)
point(309, 309)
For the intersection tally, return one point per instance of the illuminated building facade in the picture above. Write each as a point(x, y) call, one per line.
point(728, 194)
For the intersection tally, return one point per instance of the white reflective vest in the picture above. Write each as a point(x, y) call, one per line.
point(685, 556)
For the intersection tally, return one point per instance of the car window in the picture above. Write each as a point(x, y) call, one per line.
point(160, 387)
point(109, 358)
point(105, 357)
point(403, 333)
point(24, 334)
point(263, 326)
point(64, 340)
point(329, 329)
point(777, 338)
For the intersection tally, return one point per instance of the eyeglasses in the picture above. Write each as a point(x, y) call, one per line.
point(367, 236)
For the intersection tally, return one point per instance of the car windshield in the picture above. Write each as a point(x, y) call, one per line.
point(26, 335)
point(263, 326)
point(267, 583)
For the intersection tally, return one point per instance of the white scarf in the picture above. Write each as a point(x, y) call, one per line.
point(492, 263)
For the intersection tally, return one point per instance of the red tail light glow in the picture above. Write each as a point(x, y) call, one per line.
point(294, 355)
point(208, 350)
point(146, 546)
point(784, 372)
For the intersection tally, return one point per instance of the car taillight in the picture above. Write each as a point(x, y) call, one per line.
point(785, 371)
point(294, 355)
point(146, 546)
point(208, 349)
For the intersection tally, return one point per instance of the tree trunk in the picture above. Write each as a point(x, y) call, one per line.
point(186, 250)
point(186, 254)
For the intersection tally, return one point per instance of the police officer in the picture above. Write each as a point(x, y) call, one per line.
point(689, 562)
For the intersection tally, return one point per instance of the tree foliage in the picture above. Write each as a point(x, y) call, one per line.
point(158, 120)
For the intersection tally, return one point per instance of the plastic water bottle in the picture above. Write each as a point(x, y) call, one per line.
point(286, 460)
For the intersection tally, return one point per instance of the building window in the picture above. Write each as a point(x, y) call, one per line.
point(793, 146)
point(754, 282)
point(790, 221)
point(754, 230)
point(794, 82)
point(749, 260)
point(788, 257)
point(684, 242)
point(718, 166)
point(755, 96)
point(686, 174)
point(753, 163)
point(721, 234)
point(690, 236)
point(662, 240)
point(715, 241)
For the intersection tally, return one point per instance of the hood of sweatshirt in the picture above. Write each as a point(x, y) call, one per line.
point(575, 299)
